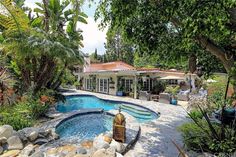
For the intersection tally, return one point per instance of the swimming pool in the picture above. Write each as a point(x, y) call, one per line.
point(86, 126)
point(78, 102)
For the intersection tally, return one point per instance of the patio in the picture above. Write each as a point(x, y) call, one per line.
point(155, 138)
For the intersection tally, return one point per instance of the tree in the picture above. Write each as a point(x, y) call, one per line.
point(175, 25)
point(117, 48)
point(42, 49)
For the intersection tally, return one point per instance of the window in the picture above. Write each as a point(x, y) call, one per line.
point(173, 82)
point(89, 84)
point(147, 84)
point(103, 85)
point(78, 70)
point(127, 84)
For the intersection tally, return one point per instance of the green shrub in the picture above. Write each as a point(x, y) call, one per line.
point(196, 114)
point(16, 117)
point(199, 139)
point(38, 109)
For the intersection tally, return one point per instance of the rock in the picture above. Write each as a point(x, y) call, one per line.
point(28, 150)
point(118, 155)
point(1, 150)
point(104, 153)
point(119, 147)
point(107, 139)
point(22, 136)
point(99, 143)
point(52, 152)
point(87, 144)
point(67, 149)
point(109, 134)
point(81, 155)
point(38, 154)
point(55, 136)
point(6, 131)
point(3, 140)
point(81, 151)
point(40, 141)
point(48, 132)
point(11, 153)
point(14, 142)
point(33, 136)
point(63, 151)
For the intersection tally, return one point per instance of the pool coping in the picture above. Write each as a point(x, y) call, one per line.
point(158, 114)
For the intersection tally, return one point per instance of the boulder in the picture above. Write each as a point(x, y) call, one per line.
point(99, 143)
point(55, 136)
point(14, 142)
point(104, 153)
point(119, 147)
point(1, 150)
point(22, 136)
point(119, 155)
point(28, 150)
point(81, 155)
point(33, 136)
point(6, 131)
point(81, 151)
point(38, 154)
point(87, 144)
point(3, 140)
point(11, 153)
point(107, 139)
point(40, 141)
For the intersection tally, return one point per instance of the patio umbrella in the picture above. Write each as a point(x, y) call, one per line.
point(211, 81)
point(171, 78)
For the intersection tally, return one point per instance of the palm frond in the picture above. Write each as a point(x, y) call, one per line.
point(12, 18)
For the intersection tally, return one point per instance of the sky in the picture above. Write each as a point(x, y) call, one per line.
point(93, 37)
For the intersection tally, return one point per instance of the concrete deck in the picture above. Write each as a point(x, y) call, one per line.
point(156, 135)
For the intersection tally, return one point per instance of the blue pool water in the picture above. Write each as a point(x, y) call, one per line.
point(85, 126)
point(78, 102)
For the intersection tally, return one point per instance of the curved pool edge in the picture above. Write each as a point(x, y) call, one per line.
point(118, 101)
point(132, 125)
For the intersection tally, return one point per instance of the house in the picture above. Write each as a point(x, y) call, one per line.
point(114, 77)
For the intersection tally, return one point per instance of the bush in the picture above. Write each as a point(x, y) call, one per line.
point(196, 114)
point(159, 86)
point(199, 139)
point(17, 116)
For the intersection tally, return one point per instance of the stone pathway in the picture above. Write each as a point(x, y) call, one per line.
point(156, 135)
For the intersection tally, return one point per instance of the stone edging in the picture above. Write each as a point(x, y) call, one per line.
point(132, 128)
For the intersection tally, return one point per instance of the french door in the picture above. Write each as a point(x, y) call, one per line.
point(103, 85)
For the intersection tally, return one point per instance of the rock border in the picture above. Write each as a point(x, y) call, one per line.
point(133, 128)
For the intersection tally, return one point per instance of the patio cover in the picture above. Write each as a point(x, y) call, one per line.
point(171, 78)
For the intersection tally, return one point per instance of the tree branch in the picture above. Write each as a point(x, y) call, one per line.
point(215, 50)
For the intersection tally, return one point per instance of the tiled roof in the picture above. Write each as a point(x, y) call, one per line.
point(110, 66)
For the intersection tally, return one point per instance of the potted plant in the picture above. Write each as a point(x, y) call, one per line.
point(120, 91)
point(173, 91)
point(77, 85)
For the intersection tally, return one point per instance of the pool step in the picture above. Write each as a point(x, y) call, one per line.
point(135, 110)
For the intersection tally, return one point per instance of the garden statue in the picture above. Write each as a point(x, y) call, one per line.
point(119, 127)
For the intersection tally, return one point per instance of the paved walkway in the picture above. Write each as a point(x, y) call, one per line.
point(156, 135)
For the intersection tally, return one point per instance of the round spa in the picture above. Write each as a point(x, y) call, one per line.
point(84, 126)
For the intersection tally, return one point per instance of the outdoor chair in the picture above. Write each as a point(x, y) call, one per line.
point(144, 95)
point(183, 95)
point(164, 98)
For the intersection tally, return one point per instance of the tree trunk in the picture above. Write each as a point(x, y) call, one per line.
point(215, 50)
point(46, 14)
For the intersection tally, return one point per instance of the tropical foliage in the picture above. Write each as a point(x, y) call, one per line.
point(42, 47)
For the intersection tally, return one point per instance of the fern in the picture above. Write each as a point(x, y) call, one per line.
point(12, 18)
